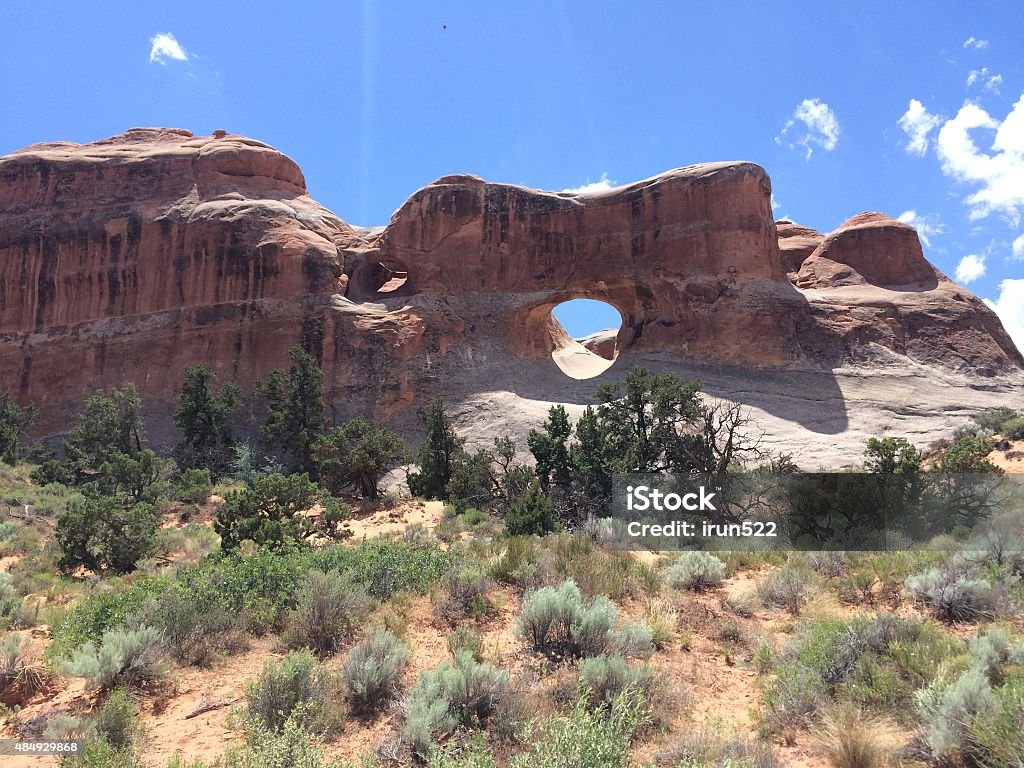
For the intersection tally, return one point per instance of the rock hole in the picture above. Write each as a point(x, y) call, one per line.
point(584, 333)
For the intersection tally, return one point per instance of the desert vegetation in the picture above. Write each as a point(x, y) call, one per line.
point(222, 605)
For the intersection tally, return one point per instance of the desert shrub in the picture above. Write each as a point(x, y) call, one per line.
point(947, 709)
point(515, 563)
point(115, 721)
point(88, 619)
point(708, 750)
point(123, 657)
point(289, 746)
point(373, 668)
point(742, 604)
point(20, 676)
point(633, 640)
point(473, 754)
point(556, 621)
point(464, 692)
point(786, 588)
point(1013, 429)
point(97, 753)
point(764, 654)
point(548, 615)
point(953, 595)
point(696, 571)
point(827, 563)
point(465, 639)
point(298, 688)
point(595, 738)
point(663, 620)
point(591, 633)
point(330, 609)
point(465, 596)
point(850, 738)
point(194, 486)
point(603, 678)
point(994, 736)
point(193, 631)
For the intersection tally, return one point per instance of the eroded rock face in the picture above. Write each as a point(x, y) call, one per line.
point(133, 257)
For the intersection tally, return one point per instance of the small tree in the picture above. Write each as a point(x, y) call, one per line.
point(550, 448)
point(108, 425)
point(101, 533)
point(203, 417)
point(272, 512)
point(139, 478)
point(15, 422)
point(436, 456)
point(296, 405)
point(531, 514)
point(892, 456)
point(357, 453)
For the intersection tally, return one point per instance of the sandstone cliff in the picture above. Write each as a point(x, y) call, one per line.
point(132, 257)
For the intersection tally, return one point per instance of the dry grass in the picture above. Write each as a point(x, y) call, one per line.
point(851, 739)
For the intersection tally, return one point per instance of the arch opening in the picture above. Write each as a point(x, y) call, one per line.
point(584, 336)
point(391, 275)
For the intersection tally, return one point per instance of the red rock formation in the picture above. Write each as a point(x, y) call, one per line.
point(130, 258)
point(868, 248)
point(796, 243)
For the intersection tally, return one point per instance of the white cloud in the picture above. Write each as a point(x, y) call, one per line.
point(999, 172)
point(821, 125)
point(990, 82)
point(775, 203)
point(1010, 308)
point(917, 122)
point(973, 42)
point(1018, 248)
point(164, 46)
point(927, 225)
point(592, 187)
point(970, 268)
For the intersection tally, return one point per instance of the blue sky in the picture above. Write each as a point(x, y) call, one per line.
point(910, 108)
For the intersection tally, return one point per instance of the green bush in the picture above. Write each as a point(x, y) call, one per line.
point(696, 571)
point(330, 609)
point(101, 533)
point(603, 678)
point(372, 670)
point(295, 688)
point(993, 419)
point(290, 746)
point(464, 692)
point(194, 631)
point(465, 639)
point(531, 514)
point(123, 657)
point(587, 737)
point(194, 486)
point(270, 512)
point(1013, 429)
point(116, 723)
point(465, 596)
point(90, 618)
